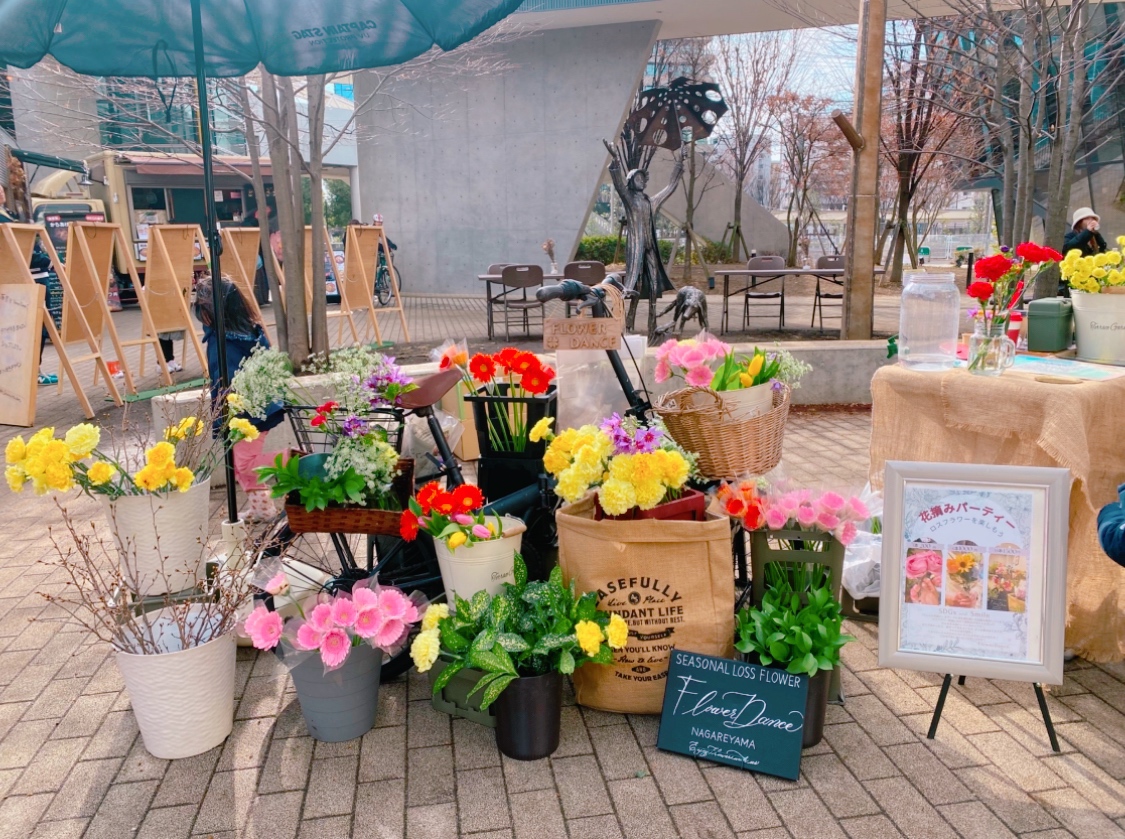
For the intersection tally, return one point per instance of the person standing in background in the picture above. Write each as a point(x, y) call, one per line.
point(1085, 234)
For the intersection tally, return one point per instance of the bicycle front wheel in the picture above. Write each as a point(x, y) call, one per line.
point(383, 286)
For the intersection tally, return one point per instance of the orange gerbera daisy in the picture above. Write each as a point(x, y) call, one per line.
point(467, 498)
point(482, 368)
point(427, 495)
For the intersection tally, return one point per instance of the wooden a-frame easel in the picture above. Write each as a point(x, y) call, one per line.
point(17, 242)
point(361, 264)
point(168, 282)
point(243, 244)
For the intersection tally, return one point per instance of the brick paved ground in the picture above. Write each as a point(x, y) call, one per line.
point(72, 764)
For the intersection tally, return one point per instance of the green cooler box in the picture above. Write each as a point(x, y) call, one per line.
point(1050, 324)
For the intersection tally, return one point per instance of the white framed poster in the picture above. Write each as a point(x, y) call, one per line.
point(974, 570)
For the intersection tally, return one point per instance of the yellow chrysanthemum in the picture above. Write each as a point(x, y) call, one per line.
point(101, 473)
point(244, 428)
point(16, 478)
point(617, 496)
point(589, 636)
point(617, 633)
point(540, 430)
point(425, 649)
point(15, 451)
point(160, 454)
point(182, 479)
point(435, 613)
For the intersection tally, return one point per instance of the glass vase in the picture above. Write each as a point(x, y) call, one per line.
point(991, 351)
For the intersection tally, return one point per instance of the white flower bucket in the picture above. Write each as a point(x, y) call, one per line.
point(160, 538)
point(183, 699)
point(749, 402)
point(481, 566)
point(1099, 326)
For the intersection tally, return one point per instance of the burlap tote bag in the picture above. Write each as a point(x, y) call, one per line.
point(672, 581)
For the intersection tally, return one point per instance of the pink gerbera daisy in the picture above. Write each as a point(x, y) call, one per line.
point(343, 611)
point(334, 647)
point(264, 628)
point(308, 638)
point(321, 618)
point(390, 633)
point(394, 604)
point(364, 598)
point(368, 622)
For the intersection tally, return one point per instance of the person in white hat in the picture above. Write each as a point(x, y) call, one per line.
point(1083, 234)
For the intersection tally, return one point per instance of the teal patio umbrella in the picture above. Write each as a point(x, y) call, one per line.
point(225, 38)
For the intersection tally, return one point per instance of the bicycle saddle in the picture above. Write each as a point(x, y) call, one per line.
point(431, 389)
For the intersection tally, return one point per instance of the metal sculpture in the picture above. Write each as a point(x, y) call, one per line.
point(690, 303)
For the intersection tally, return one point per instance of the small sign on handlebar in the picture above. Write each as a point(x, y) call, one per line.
point(583, 333)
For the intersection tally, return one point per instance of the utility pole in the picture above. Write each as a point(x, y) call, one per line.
point(863, 209)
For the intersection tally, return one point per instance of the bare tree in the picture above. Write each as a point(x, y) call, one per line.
point(752, 70)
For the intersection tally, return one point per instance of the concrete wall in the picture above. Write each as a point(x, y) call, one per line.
point(510, 160)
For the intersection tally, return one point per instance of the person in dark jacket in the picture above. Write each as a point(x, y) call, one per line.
point(40, 267)
point(242, 334)
point(1084, 234)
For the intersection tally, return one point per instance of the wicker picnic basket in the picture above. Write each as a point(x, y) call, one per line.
point(727, 448)
point(350, 519)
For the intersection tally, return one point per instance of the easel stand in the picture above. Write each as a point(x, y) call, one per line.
point(1043, 709)
point(17, 242)
point(244, 244)
point(168, 282)
point(361, 267)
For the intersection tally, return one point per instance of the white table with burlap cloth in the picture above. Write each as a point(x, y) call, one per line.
point(957, 417)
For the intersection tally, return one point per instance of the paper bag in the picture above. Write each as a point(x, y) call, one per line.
point(672, 582)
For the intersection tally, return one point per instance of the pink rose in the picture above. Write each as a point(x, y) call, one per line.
point(832, 502)
point(321, 618)
point(775, 519)
point(699, 376)
point(806, 515)
point(917, 565)
point(369, 622)
point(334, 647)
point(343, 611)
point(804, 496)
point(308, 638)
point(934, 562)
point(788, 504)
point(264, 628)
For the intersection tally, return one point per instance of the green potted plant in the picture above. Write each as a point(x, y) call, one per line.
point(800, 631)
point(527, 637)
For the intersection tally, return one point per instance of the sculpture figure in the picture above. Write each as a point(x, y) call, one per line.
point(690, 303)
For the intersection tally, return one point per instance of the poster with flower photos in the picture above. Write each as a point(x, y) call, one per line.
point(972, 568)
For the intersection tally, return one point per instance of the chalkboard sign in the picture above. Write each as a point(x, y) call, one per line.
point(734, 712)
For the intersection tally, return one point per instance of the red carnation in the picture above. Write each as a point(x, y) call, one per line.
point(1049, 255)
point(992, 268)
point(980, 291)
point(327, 408)
point(318, 420)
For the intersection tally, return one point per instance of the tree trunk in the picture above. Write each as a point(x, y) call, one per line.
point(320, 343)
point(736, 233)
point(689, 214)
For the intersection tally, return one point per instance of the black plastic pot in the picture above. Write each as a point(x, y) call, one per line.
point(491, 411)
point(528, 717)
point(499, 476)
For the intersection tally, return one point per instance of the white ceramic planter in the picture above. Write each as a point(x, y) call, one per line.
point(183, 699)
point(160, 538)
point(1099, 326)
point(481, 566)
point(748, 402)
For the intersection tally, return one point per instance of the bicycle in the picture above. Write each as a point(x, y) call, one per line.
point(383, 292)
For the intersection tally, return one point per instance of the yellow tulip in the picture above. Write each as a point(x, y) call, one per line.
point(456, 540)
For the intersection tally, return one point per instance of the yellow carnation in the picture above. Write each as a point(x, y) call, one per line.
point(571, 485)
point(160, 455)
point(554, 461)
point(101, 473)
point(150, 478)
point(15, 451)
point(237, 403)
point(182, 478)
point(540, 430)
point(589, 636)
point(82, 440)
point(617, 633)
point(457, 540)
point(617, 497)
point(435, 613)
point(649, 493)
point(16, 478)
point(59, 476)
point(244, 429)
point(621, 467)
point(425, 649)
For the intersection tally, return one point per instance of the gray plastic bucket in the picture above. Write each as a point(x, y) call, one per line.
point(340, 705)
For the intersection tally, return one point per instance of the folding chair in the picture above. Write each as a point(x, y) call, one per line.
point(827, 262)
point(765, 263)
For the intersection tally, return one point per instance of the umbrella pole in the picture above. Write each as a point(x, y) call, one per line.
point(213, 243)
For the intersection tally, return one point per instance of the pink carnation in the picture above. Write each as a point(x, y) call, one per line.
point(368, 622)
point(832, 502)
point(699, 376)
point(321, 618)
point(775, 519)
point(394, 604)
point(334, 647)
point(857, 510)
point(264, 628)
point(827, 521)
point(308, 638)
point(846, 534)
point(806, 515)
point(390, 633)
point(343, 611)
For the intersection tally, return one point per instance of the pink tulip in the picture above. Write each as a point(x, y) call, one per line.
point(827, 521)
point(321, 618)
point(364, 598)
point(335, 646)
point(368, 622)
point(481, 532)
point(806, 515)
point(343, 611)
point(916, 566)
point(832, 502)
point(264, 628)
point(390, 634)
point(308, 638)
point(699, 376)
point(393, 603)
point(775, 519)
point(462, 519)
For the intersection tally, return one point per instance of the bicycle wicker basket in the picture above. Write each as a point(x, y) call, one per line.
point(727, 448)
point(349, 519)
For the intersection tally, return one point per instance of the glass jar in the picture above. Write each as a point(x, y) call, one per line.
point(991, 351)
point(928, 321)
